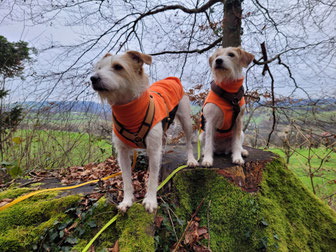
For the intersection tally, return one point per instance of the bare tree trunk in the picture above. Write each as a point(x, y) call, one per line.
point(232, 23)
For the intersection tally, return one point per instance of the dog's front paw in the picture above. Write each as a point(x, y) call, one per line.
point(192, 162)
point(124, 205)
point(238, 160)
point(207, 162)
point(150, 204)
point(244, 153)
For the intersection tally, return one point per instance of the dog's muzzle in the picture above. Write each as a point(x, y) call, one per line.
point(219, 64)
point(97, 83)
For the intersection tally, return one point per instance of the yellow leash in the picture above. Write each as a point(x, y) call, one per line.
point(64, 188)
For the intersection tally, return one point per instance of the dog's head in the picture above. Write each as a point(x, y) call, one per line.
point(227, 63)
point(121, 78)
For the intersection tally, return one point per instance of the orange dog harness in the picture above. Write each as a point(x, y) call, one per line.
point(132, 121)
point(229, 97)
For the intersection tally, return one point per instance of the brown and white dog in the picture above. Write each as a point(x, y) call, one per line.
point(121, 81)
point(223, 133)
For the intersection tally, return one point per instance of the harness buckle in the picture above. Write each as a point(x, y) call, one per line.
point(138, 139)
point(235, 101)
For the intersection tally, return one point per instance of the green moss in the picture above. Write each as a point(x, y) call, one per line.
point(136, 230)
point(32, 223)
point(298, 221)
point(283, 216)
point(14, 193)
point(35, 184)
point(22, 224)
point(99, 215)
point(233, 219)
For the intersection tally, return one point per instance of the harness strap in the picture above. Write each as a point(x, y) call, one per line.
point(166, 120)
point(232, 98)
point(139, 137)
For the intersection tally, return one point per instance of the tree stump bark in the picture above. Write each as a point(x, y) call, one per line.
point(247, 176)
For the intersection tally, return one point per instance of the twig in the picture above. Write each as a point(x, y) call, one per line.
point(189, 223)
point(171, 220)
point(266, 69)
point(330, 196)
point(31, 182)
point(169, 207)
point(200, 51)
point(208, 216)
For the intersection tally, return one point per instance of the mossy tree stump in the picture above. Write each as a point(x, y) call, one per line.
point(261, 206)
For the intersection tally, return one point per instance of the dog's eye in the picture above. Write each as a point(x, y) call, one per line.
point(117, 67)
point(231, 55)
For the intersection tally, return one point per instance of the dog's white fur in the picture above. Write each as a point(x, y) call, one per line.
point(119, 79)
point(226, 65)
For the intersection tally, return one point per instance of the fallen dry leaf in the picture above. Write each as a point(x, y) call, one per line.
point(194, 234)
point(116, 247)
point(158, 221)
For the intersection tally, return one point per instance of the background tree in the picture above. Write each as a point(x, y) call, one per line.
point(12, 59)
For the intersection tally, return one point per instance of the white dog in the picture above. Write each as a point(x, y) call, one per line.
point(121, 81)
point(221, 120)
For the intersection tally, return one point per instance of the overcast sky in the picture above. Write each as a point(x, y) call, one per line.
point(305, 70)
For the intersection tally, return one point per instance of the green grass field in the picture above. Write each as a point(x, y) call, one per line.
point(59, 119)
point(50, 149)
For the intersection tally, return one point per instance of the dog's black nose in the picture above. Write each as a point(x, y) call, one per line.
point(219, 61)
point(95, 79)
point(97, 84)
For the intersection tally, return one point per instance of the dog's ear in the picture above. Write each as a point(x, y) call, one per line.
point(210, 60)
point(245, 57)
point(107, 55)
point(140, 57)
